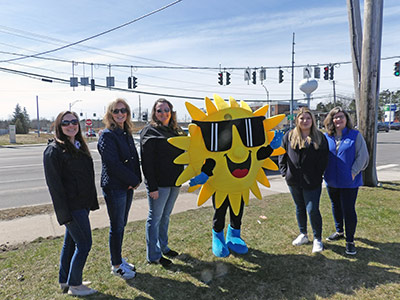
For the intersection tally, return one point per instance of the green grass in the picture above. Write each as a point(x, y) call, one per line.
point(273, 268)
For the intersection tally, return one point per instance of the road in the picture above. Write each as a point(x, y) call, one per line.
point(22, 179)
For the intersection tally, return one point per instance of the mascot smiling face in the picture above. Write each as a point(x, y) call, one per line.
point(232, 136)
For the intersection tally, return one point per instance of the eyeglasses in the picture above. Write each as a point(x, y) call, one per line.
point(66, 123)
point(122, 110)
point(339, 117)
point(217, 136)
point(167, 110)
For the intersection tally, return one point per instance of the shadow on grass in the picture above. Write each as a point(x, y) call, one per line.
point(259, 275)
point(391, 186)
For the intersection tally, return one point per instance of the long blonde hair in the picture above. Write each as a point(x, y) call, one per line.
point(297, 140)
point(108, 119)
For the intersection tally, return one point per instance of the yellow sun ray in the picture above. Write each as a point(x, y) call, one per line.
point(183, 159)
point(220, 103)
point(205, 193)
point(262, 111)
point(245, 195)
point(278, 151)
point(210, 107)
point(220, 198)
point(270, 165)
point(235, 199)
point(195, 112)
point(270, 135)
point(255, 190)
point(233, 102)
point(273, 121)
point(245, 106)
point(192, 128)
point(187, 174)
point(181, 142)
point(262, 178)
point(191, 189)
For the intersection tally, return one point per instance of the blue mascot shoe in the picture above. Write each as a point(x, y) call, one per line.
point(235, 242)
point(219, 247)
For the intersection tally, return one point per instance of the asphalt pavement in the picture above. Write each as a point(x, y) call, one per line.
point(27, 229)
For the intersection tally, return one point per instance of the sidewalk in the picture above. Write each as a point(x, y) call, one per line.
point(27, 229)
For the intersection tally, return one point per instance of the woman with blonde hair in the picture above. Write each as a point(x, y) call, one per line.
point(303, 165)
point(120, 175)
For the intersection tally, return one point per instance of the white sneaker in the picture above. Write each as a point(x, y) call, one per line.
point(81, 290)
point(300, 240)
point(123, 271)
point(128, 265)
point(317, 246)
point(64, 286)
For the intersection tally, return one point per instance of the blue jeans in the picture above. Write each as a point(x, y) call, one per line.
point(118, 205)
point(158, 221)
point(344, 208)
point(307, 201)
point(76, 247)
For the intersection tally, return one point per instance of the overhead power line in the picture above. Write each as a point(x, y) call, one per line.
point(96, 35)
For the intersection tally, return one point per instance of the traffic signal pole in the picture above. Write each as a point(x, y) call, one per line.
point(292, 91)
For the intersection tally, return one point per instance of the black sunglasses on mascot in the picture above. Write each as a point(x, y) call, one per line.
point(217, 136)
point(66, 123)
point(122, 110)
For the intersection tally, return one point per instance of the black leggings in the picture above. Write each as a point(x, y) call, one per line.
point(219, 215)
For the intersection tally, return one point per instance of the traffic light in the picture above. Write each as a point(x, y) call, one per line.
point(144, 116)
point(220, 78)
point(397, 68)
point(134, 82)
point(129, 82)
point(228, 78)
point(254, 77)
point(331, 69)
point(92, 85)
point(326, 73)
point(280, 76)
point(317, 72)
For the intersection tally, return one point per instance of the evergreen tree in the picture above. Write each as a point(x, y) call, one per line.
point(20, 120)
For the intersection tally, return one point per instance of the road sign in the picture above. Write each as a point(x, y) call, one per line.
point(88, 122)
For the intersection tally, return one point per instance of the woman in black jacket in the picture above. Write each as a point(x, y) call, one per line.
point(160, 174)
point(69, 175)
point(303, 166)
point(120, 175)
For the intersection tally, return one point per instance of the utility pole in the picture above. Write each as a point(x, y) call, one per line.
point(334, 93)
point(292, 97)
point(37, 115)
point(353, 8)
point(369, 87)
point(140, 109)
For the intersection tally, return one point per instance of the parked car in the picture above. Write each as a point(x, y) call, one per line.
point(395, 126)
point(382, 126)
point(90, 133)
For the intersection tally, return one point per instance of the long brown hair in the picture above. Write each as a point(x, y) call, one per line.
point(328, 122)
point(63, 139)
point(108, 119)
point(172, 122)
point(295, 136)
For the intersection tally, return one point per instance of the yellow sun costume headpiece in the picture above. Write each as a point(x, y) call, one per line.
point(231, 135)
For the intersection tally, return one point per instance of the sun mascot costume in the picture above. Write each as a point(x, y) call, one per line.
point(226, 153)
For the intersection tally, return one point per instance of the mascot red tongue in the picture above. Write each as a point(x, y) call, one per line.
point(227, 134)
point(240, 173)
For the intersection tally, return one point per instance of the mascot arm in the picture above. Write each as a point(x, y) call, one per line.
point(206, 172)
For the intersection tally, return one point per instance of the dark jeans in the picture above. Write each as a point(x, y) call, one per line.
point(344, 208)
point(118, 206)
point(307, 201)
point(219, 215)
point(76, 247)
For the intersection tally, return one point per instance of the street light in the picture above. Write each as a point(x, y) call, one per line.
point(72, 103)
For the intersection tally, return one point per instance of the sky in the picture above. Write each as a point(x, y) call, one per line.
point(206, 35)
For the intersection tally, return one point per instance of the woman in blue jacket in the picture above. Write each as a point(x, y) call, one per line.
point(348, 156)
point(303, 166)
point(69, 174)
point(120, 175)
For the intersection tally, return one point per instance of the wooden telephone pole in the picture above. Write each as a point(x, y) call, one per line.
point(368, 73)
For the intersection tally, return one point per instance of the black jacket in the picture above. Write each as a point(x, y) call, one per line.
point(119, 159)
point(70, 179)
point(303, 167)
point(158, 157)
